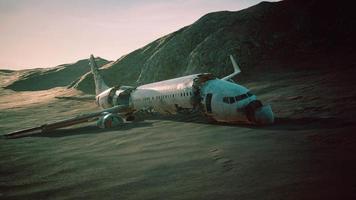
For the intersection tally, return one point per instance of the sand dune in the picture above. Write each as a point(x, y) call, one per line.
point(304, 69)
point(309, 153)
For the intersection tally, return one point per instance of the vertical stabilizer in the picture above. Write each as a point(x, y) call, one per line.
point(100, 85)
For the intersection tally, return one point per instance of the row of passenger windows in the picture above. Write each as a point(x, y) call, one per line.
point(183, 94)
point(231, 100)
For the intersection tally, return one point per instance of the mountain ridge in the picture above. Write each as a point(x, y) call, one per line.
point(267, 36)
point(282, 36)
point(47, 78)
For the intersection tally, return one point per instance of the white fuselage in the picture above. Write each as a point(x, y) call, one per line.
point(220, 100)
point(164, 96)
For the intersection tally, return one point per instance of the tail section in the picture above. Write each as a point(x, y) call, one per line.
point(237, 69)
point(100, 85)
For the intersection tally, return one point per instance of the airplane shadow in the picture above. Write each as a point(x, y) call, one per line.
point(290, 124)
point(90, 129)
point(305, 123)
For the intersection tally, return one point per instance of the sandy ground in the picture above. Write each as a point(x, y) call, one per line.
point(309, 153)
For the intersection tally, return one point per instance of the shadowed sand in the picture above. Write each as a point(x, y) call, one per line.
point(309, 153)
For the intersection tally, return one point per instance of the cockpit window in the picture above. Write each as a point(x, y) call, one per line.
point(240, 97)
point(231, 100)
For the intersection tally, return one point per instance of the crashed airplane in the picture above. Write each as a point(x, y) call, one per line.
point(220, 100)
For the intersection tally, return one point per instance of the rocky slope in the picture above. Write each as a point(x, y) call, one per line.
point(47, 78)
point(288, 35)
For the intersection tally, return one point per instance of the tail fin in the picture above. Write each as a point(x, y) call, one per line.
point(237, 69)
point(100, 85)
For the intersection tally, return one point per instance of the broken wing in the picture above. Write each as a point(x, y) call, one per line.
point(65, 123)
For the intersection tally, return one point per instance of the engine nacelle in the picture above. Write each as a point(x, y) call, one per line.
point(114, 96)
point(105, 99)
point(109, 120)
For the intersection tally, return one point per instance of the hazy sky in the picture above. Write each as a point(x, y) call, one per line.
point(43, 33)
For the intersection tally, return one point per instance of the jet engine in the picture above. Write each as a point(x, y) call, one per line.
point(109, 120)
point(114, 96)
point(105, 99)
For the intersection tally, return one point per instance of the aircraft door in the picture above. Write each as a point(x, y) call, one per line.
point(208, 98)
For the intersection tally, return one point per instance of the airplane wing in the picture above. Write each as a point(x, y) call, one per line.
point(65, 123)
point(237, 69)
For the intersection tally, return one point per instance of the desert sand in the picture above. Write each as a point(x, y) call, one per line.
point(309, 153)
point(298, 56)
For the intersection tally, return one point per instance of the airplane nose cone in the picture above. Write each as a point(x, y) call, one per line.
point(264, 115)
point(258, 113)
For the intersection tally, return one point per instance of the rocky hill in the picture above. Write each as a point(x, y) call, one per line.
point(285, 36)
point(291, 35)
point(62, 75)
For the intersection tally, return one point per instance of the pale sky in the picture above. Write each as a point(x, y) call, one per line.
point(47, 33)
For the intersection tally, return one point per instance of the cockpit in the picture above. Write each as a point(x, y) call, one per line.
point(231, 100)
